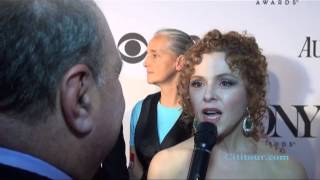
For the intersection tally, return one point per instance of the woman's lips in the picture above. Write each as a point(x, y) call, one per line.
point(212, 115)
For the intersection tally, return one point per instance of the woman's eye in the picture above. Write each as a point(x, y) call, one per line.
point(196, 83)
point(226, 83)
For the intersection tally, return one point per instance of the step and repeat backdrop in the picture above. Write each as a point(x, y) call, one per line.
point(288, 31)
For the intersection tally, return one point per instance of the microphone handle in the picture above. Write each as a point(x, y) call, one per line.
point(199, 164)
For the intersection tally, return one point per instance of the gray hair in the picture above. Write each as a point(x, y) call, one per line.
point(180, 41)
point(40, 41)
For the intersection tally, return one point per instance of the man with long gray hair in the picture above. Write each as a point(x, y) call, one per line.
point(157, 121)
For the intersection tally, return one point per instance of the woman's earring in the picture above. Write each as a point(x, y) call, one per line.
point(247, 125)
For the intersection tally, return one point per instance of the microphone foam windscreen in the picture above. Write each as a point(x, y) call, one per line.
point(206, 135)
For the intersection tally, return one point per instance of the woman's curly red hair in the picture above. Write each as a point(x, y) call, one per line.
point(242, 55)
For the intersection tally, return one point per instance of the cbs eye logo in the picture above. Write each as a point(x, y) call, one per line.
point(132, 48)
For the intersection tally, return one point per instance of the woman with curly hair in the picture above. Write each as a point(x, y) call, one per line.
point(223, 82)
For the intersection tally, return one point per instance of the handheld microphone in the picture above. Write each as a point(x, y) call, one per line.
point(204, 140)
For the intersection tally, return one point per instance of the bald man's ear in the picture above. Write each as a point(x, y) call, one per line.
point(180, 61)
point(75, 99)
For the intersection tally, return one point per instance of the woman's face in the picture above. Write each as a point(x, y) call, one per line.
point(160, 61)
point(217, 94)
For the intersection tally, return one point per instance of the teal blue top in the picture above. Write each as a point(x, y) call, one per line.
point(166, 118)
